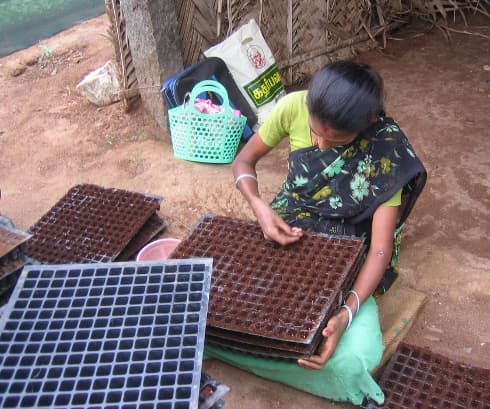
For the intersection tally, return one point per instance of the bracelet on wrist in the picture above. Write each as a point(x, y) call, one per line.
point(349, 312)
point(244, 175)
point(358, 302)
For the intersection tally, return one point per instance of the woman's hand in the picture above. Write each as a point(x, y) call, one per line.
point(273, 226)
point(332, 333)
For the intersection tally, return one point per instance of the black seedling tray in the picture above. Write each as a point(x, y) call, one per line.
point(116, 335)
point(90, 224)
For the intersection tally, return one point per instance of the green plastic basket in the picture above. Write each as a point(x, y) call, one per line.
point(200, 137)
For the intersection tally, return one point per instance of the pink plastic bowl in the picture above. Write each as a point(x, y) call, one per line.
point(157, 250)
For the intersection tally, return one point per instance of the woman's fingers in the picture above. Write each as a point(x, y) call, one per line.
point(319, 361)
point(332, 333)
point(307, 364)
point(283, 233)
point(283, 237)
point(274, 227)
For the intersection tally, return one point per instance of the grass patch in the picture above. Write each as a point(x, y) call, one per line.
point(140, 137)
point(136, 159)
point(110, 140)
point(46, 55)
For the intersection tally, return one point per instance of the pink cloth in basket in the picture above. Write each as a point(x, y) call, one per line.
point(206, 106)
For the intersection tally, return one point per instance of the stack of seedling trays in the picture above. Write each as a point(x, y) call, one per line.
point(12, 258)
point(416, 377)
point(109, 335)
point(94, 224)
point(266, 299)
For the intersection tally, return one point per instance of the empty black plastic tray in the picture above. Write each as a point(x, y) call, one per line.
point(90, 224)
point(417, 378)
point(116, 335)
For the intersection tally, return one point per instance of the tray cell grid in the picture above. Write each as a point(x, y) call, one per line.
point(90, 224)
point(261, 288)
point(263, 346)
point(418, 378)
point(110, 336)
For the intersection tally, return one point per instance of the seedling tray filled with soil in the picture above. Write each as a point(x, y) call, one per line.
point(268, 299)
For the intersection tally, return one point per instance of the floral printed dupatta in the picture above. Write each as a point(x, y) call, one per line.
point(336, 191)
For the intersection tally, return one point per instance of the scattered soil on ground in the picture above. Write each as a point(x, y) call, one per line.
point(51, 138)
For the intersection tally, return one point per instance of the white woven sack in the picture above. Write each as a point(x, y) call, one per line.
point(253, 67)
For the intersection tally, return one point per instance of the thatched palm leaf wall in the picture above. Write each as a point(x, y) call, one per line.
point(303, 35)
point(197, 27)
point(122, 52)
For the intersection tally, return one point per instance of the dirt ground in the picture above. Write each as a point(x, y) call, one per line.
point(51, 138)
